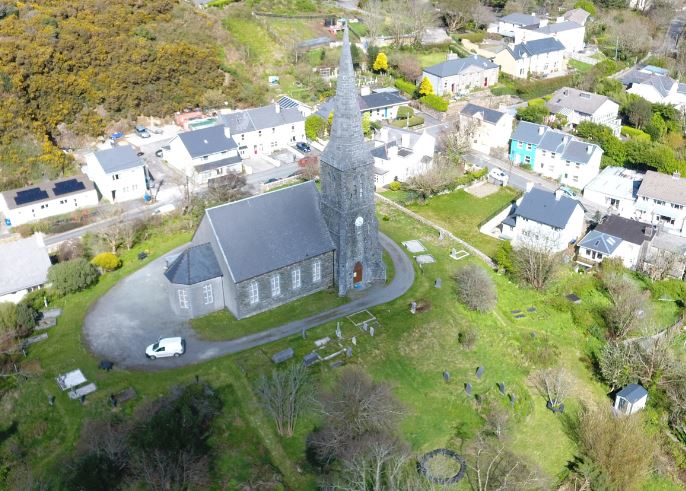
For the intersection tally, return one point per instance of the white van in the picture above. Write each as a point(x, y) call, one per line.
point(166, 347)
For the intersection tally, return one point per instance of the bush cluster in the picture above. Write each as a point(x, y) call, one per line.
point(72, 276)
point(106, 261)
point(435, 102)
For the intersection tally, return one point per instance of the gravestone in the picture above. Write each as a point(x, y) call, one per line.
point(446, 375)
point(282, 356)
point(413, 307)
point(501, 388)
point(371, 331)
point(304, 333)
point(339, 335)
point(468, 388)
point(438, 283)
point(51, 400)
point(322, 342)
point(480, 372)
point(354, 340)
point(349, 352)
point(310, 359)
point(512, 399)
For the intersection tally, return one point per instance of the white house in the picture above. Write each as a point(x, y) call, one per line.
point(579, 106)
point(615, 189)
point(263, 130)
point(460, 75)
point(510, 24)
point(569, 33)
point(287, 102)
point(24, 265)
point(540, 57)
point(661, 200)
point(546, 219)
point(631, 399)
point(616, 237)
point(47, 199)
point(488, 129)
point(580, 16)
point(118, 173)
point(655, 85)
point(399, 155)
point(380, 104)
point(204, 154)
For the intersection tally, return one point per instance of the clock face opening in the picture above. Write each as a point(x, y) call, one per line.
point(359, 221)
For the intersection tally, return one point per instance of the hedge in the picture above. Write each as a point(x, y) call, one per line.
point(435, 102)
point(408, 87)
point(405, 112)
point(635, 134)
point(470, 177)
point(413, 121)
point(475, 37)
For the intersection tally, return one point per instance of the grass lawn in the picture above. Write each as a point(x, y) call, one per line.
point(463, 214)
point(428, 59)
point(580, 66)
point(222, 325)
point(259, 47)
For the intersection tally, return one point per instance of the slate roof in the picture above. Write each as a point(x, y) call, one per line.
point(457, 66)
point(540, 205)
point(554, 141)
point(670, 242)
point(536, 47)
point(664, 187)
point(632, 393)
point(259, 118)
point(519, 19)
point(49, 189)
point(580, 152)
point(194, 265)
point(617, 182)
point(649, 75)
point(569, 147)
point(267, 232)
point(489, 115)
point(610, 233)
point(559, 27)
point(529, 132)
point(24, 263)
point(580, 16)
point(206, 141)
point(600, 242)
point(577, 100)
point(234, 159)
point(381, 99)
point(117, 159)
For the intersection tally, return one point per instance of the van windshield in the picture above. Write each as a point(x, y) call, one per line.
point(155, 346)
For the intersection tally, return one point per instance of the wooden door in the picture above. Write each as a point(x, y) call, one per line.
point(357, 272)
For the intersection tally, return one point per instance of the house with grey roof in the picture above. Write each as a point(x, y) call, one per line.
point(665, 257)
point(661, 200)
point(380, 104)
point(615, 190)
point(569, 33)
point(655, 85)
point(508, 25)
point(543, 57)
point(265, 129)
point(555, 154)
point(204, 154)
point(24, 265)
point(400, 154)
point(255, 254)
point(616, 237)
point(488, 130)
point(578, 106)
point(544, 219)
point(630, 399)
point(461, 75)
point(118, 173)
point(580, 16)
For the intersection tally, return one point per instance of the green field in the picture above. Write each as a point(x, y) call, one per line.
point(580, 66)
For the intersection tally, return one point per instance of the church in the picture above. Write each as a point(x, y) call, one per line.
point(255, 254)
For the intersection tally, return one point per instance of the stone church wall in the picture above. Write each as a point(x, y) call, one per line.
point(196, 298)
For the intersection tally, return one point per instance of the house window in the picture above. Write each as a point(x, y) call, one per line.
point(520, 145)
point(259, 133)
point(242, 136)
point(295, 279)
point(527, 160)
point(292, 128)
point(659, 202)
point(544, 153)
point(115, 177)
point(528, 147)
point(254, 291)
point(183, 299)
point(276, 285)
point(273, 130)
point(316, 272)
point(207, 294)
point(552, 154)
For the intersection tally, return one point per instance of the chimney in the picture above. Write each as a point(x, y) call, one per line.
point(541, 129)
point(564, 139)
point(676, 175)
point(589, 149)
point(648, 231)
point(227, 131)
point(277, 108)
point(405, 140)
point(558, 194)
point(365, 91)
point(392, 151)
point(383, 134)
point(529, 186)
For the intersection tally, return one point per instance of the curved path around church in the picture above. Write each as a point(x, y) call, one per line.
point(135, 312)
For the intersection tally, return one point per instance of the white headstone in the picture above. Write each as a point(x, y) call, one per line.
point(354, 340)
point(371, 331)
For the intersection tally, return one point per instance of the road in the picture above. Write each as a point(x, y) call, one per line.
point(674, 31)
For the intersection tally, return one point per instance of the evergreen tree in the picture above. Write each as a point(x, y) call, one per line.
point(425, 88)
point(381, 63)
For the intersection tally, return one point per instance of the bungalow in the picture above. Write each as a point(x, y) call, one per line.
point(615, 189)
point(460, 75)
point(540, 57)
point(204, 154)
point(47, 199)
point(24, 265)
point(616, 237)
point(569, 33)
point(555, 154)
point(488, 129)
point(631, 399)
point(655, 85)
point(510, 24)
point(399, 155)
point(380, 104)
point(118, 173)
point(579, 106)
point(545, 219)
point(661, 200)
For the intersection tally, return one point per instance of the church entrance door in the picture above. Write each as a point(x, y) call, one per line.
point(357, 273)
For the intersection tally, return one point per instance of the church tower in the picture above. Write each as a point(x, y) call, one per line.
point(347, 187)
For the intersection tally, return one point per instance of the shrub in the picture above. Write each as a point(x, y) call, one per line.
point(425, 87)
point(106, 261)
point(314, 127)
point(539, 101)
point(380, 63)
point(26, 316)
point(635, 134)
point(475, 37)
point(534, 113)
point(435, 102)
point(408, 87)
point(475, 288)
point(413, 121)
point(72, 276)
point(395, 186)
point(405, 112)
point(8, 316)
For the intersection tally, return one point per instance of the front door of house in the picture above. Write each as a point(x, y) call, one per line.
point(357, 273)
point(486, 82)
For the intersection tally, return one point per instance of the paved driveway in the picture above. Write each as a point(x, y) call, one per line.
point(135, 312)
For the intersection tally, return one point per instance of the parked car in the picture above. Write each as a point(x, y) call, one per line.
point(271, 180)
point(498, 176)
point(164, 209)
point(568, 192)
point(116, 136)
point(142, 131)
point(303, 147)
point(166, 347)
point(159, 153)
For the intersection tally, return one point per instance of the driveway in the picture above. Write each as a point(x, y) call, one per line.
point(135, 312)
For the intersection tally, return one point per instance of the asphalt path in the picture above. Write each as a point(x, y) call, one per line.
point(135, 312)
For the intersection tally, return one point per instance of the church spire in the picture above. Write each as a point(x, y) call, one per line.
point(346, 148)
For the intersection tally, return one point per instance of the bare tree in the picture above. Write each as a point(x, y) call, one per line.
point(161, 470)
point(375, 20)
point(111, 235)
point(456, 14)
point(534, 259)
point(653, 360)
point(482, 15)
point(309, 167)
point(453, 143)
point(661, 263)
point(628, 307)
point(439, 177)
point(284, 395)
point(615, 363)
point(402, 23)
point(475, 288)
point(554, 384)
point(422, 15)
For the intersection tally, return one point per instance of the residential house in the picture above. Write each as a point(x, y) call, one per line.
point(666, 257)
point(579, 106)
point(204, 154)
point(508, 25)
point(287, 102)
point(118, 173)
point(580, 16)
point(569, 33)
point(630, 399)
point(488, 129)
point(47, 199)
point(380, 104)
point(399, 155)
point(540, 57)
point(263, 130)
point(661, 200)
point(24, 265)
point(460, 75)
point(616, 190)
point(655, 85)
point(544, 219)
point(555, 154)
point(616, 237)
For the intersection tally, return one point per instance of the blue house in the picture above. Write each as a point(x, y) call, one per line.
point(526, 138)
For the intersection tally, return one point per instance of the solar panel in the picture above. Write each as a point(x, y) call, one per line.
point(70, 186)
point(30, 195)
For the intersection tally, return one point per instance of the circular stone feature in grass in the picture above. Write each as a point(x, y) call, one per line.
point(442, 466)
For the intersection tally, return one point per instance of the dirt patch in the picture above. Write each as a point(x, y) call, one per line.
point(482, 189)
point(423, 306)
